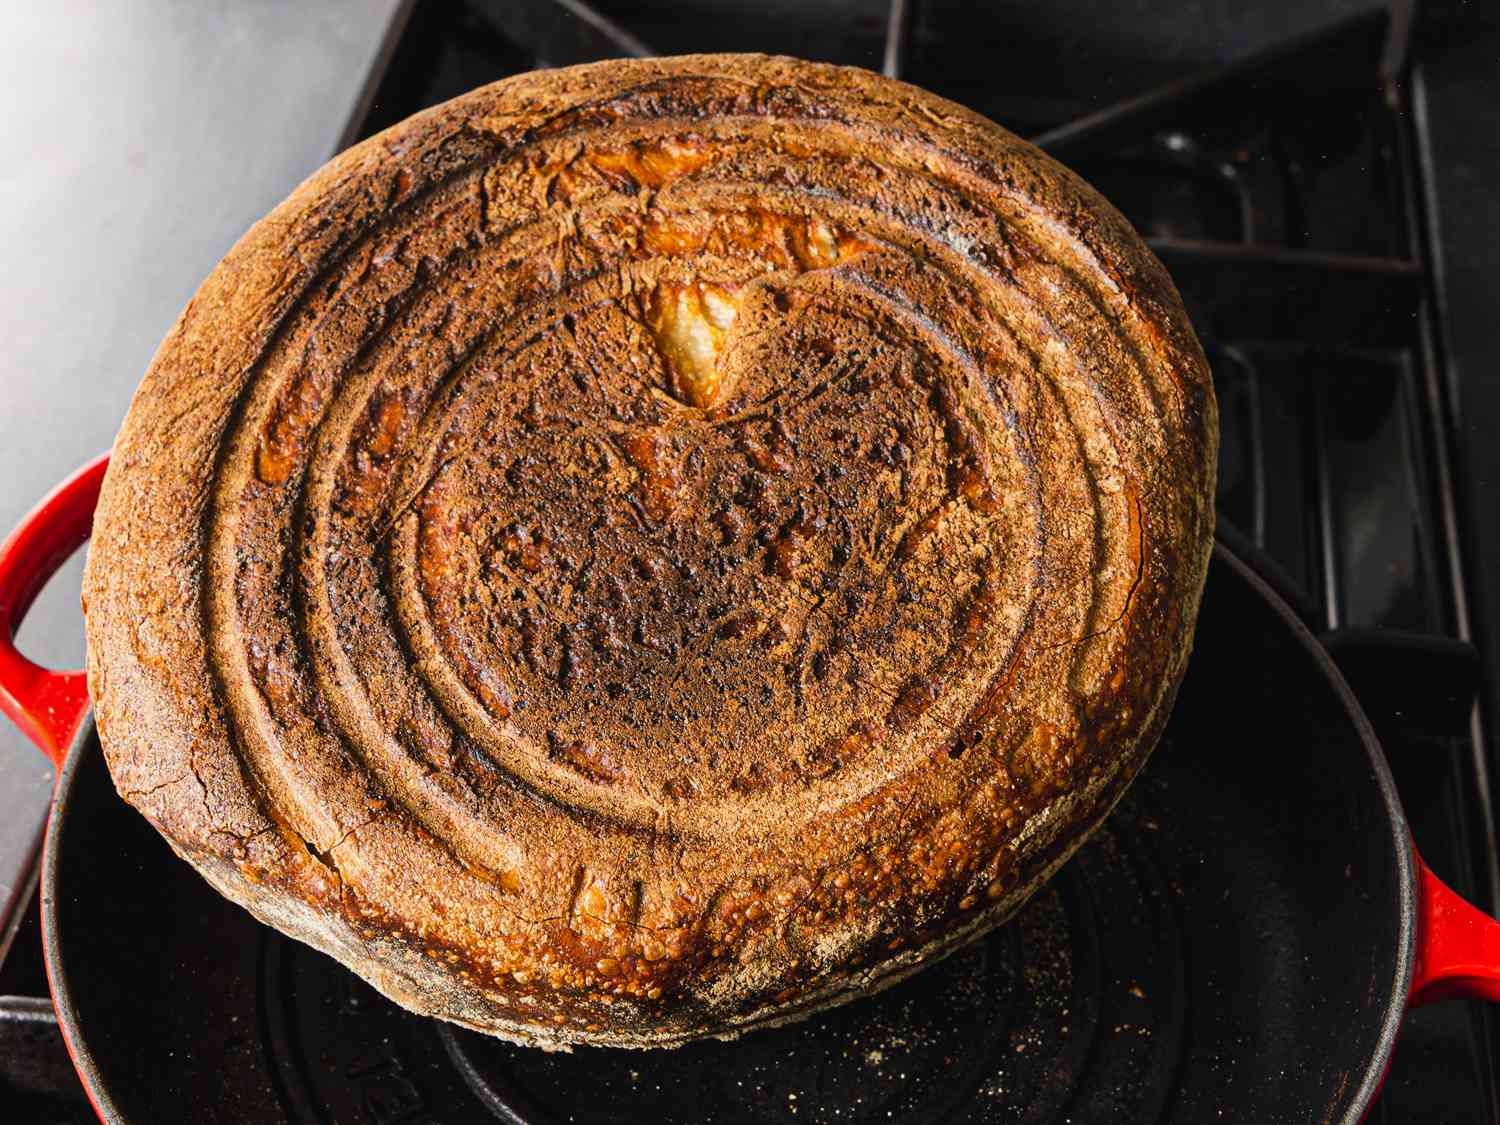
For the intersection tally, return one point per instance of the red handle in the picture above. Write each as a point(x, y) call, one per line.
point(1458, 945)
point(46, 705)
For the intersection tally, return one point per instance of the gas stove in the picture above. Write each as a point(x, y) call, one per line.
point(1286, 169)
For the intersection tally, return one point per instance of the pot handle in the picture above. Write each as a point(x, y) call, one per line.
point(1458, 945)
point(48, 706)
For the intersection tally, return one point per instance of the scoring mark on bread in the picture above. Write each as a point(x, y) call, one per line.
point(691, 322)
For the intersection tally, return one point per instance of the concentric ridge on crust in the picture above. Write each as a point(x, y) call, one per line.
point(651, 549)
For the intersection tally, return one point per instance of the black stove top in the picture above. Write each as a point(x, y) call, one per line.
point(1282, 165)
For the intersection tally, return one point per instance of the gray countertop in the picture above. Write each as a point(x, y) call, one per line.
point(142, 138)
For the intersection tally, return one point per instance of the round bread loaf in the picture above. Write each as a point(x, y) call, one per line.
point(654, 549)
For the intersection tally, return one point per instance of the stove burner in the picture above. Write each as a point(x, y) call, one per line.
point(1077, 1008)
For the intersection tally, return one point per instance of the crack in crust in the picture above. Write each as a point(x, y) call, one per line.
point(650, 550)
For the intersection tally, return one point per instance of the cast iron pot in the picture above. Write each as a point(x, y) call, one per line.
point(1283, 865)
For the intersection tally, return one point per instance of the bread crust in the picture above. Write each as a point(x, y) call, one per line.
point(653, 549)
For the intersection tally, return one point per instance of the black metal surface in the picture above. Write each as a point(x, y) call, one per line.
point(1234, 944)
point(35, 1071)
point(1322, 64)
point(1253, 293)
point(897, 32)
point(1455, 88)
point(1409, 681)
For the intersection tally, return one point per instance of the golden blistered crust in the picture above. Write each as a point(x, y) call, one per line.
point(651, 549)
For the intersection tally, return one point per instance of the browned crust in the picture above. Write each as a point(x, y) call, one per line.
point(653, 549)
